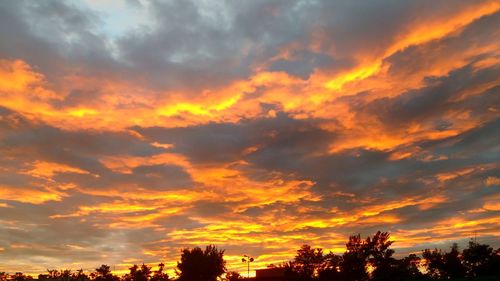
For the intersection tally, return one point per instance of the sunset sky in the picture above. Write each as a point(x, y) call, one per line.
point(132, 129)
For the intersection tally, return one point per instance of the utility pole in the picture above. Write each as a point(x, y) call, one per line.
point(248, 260)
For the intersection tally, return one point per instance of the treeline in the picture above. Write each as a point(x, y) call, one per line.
point(364, 260)
point(195, 265)
point(372, 259)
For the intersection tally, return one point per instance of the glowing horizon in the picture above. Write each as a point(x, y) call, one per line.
point(130, 129)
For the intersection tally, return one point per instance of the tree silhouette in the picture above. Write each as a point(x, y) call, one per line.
point(308, 262)
point(312, 264)
point(354, 259)
point(444, 265)
point(103, 273)
point(434, 263)
point(233, 276)
point(159, 275)
point(475, 257)
point(138, 273)
point(199, 265)
point(19, 276)
point(480, 259)
point(79, 276)
point(331, 270)
point(407, 269)
point(453, 267)
point(477, 262)
point(380, 256)
point(62, 275)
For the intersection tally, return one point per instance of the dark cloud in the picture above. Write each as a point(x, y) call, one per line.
point(226, 142)
point(56, 38)
point(161, 176)
point(211, 46)
point(24, 239)
point(211, 209)
point(207, 143)
point(303, 64)
point(431, 102)
point(20, 133)
point(83, 150)
point(478, 143)
point(420, 57)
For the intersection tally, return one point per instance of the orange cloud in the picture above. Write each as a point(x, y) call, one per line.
point(41, 169)
point(29, 195)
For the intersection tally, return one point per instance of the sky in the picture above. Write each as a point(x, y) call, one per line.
point(132, 129)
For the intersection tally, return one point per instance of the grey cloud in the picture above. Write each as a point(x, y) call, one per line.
point(304, 64)
point(429, 103)
point(210, 45)
point(225, 142)
point(27, 142)
point(155, 177)
point(211, 209)
point(422, 57)
point(161, 176)
point(53, 143)
point(51, 237)
point(295, 147)
point(479, 143)
point(178, 221)
point(55, 37)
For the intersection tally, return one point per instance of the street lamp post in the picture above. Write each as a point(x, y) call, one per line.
point(248, 260)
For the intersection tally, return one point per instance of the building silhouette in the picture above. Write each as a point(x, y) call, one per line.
point(269, 274)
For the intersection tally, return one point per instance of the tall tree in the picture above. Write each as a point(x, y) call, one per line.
point(380, 256)
point(79, 275)
point(57, 275)
point(199, 265)
point(444, 265)
point(309, 262)
point(373, 251)
point(407, 269)
point(103, 273)
point(354, 259)
point(312, 264)
point(434, 263)
point(453, 267)
point(480, 259)
point(331, 269)
point(138, 273)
